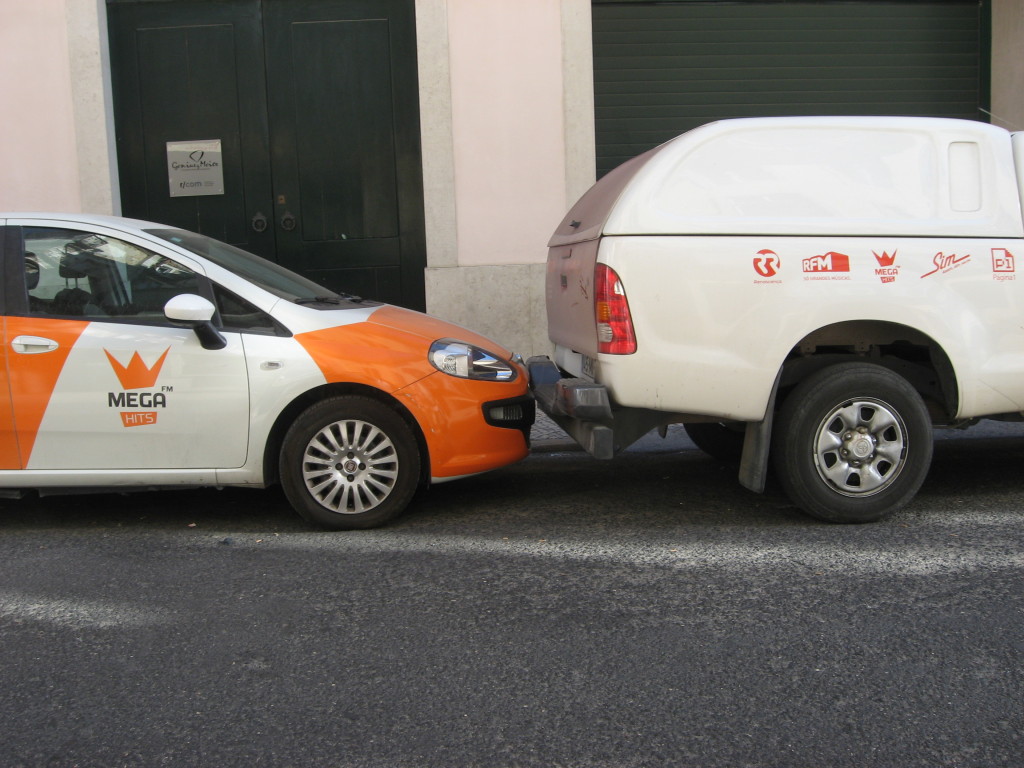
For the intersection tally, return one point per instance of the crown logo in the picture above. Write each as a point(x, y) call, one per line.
point(137, 375)
point(885, 260)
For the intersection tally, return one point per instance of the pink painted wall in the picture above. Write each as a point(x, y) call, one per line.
point(38, 156)
point(507, 128)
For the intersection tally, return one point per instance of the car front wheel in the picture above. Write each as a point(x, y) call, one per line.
point(853, 443)
point(349, 462)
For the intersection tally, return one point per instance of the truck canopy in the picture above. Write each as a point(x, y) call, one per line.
point(897, 176)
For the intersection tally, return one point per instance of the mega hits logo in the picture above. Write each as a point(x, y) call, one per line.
point(887, 269)
point(133, 377)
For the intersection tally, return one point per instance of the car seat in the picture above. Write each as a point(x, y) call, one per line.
point(72, 300)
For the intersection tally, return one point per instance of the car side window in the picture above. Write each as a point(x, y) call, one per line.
point(241, 316)
point(70, 273)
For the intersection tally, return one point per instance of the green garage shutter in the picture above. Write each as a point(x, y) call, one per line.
point(662, 68)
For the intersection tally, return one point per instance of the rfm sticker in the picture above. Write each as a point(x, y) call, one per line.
point(827, 266)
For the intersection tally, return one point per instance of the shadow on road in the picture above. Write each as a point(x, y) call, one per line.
point(668, 483)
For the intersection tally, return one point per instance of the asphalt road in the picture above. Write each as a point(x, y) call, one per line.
point(560, 612)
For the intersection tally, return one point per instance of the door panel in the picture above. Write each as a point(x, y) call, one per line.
point(316, 105)
point(340, 121)
point(344, 142)
point(191, 71)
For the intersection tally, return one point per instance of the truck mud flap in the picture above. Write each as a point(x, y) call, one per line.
point(756, 444)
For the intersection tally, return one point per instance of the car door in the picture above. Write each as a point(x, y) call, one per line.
point(99, 378)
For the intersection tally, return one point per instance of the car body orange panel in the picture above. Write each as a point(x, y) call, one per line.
point(366, 353)
point(459, 440)
point(431, 328)
point(389, 352)
point(9, 456)
point(32, 379)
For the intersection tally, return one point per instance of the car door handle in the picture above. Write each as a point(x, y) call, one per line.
point(33, 345)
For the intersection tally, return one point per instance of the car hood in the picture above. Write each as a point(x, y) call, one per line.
point(431, 329)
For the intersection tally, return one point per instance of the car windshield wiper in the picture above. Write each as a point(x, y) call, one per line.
point(329, 299)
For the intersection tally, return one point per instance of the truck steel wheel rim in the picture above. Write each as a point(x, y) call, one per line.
point(350, 466)
point(860, 447)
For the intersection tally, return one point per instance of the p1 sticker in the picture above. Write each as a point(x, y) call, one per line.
point(1004, 266)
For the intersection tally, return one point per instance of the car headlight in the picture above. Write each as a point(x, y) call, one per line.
point(457, 358)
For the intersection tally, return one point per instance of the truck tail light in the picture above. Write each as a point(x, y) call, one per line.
point(615, 334)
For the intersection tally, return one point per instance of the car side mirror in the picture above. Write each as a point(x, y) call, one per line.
point(195, 312)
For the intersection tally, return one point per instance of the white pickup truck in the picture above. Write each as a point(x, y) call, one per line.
point(816, 291)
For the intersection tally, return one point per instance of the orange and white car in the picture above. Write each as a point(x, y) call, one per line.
point(138, 356)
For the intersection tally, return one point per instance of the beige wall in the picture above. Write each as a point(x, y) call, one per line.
point(507, 113)
point(55, 152)
point(1008, 64)
point(38, 153)
point(506, 127)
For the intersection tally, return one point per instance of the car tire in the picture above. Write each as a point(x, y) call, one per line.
point(853, 443)
point(720, 440)
point(349, 462)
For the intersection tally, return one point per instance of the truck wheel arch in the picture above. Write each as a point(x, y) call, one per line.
point(911, 354)
point(906, 351)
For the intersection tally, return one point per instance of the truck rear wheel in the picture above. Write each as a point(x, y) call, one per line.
point(853, 443)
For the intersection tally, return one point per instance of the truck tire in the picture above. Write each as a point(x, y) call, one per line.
point(349, 462)
point(853, 443)
point(722, 440)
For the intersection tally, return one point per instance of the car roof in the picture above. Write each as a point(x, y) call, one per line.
point(117, 222)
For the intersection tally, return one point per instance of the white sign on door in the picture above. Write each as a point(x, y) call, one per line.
point(195, 168)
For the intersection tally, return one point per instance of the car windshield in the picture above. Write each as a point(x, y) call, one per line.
point(257, 270)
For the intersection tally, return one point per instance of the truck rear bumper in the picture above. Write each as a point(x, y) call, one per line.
point(581, 408)
point(586, 411)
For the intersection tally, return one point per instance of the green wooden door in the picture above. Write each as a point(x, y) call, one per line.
point(187, 71)
point(315, 105)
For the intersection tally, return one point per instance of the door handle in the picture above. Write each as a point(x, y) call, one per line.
point(259, 222)
point(33, 345)
point(288, 221)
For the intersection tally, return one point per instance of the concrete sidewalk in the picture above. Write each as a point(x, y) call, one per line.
point(548, 436)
